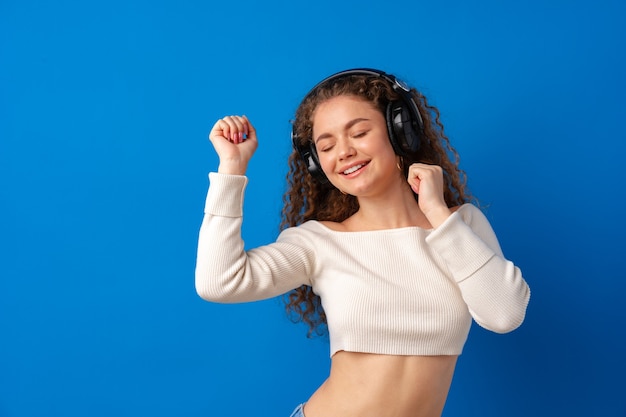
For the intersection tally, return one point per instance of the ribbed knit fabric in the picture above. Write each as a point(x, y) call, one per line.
point(406, 291)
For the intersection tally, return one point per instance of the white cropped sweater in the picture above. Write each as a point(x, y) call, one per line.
point(406, 291)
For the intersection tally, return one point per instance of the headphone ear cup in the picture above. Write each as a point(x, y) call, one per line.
point(313, 164)
point(308, 153)
point(403, 133)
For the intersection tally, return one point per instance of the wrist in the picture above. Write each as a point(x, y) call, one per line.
point(232, 168)
point(437, 216)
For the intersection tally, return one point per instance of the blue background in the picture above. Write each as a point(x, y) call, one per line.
point(105, 109)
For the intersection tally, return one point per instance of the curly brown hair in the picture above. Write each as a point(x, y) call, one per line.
point(307, 198)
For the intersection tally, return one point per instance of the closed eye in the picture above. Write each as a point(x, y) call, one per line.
point(350, 125)
point(325, 145)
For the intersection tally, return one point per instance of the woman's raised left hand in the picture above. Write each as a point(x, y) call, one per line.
point(427, 182)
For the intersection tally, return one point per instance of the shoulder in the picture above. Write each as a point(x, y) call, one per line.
point(469, 213)
point(311, 229)
point(477, 220)
point(311, 238)
point(333, 226)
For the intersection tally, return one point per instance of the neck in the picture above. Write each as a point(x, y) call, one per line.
point(390, 211)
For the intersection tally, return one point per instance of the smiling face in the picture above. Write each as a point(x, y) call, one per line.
point(353, 147)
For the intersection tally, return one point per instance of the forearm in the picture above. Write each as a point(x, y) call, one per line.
point(220, 256)
point(497, 295)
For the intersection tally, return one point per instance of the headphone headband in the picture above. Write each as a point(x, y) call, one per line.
point(395, 82)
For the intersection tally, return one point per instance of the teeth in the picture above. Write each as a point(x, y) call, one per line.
point(352, 169)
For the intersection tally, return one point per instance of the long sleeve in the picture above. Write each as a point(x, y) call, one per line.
point(225, 272)
point(493, 287)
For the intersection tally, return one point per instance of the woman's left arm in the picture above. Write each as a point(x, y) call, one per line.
point(492, 286)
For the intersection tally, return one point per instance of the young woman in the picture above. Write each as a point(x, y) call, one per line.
point(380, 243)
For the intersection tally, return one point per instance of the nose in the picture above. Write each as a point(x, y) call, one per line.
point(345, 149)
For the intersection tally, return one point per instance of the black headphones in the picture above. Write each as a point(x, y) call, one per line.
point(404, 122)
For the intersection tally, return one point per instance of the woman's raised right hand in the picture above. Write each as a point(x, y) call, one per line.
point(234, 139)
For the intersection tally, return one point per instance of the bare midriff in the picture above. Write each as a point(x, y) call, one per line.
point(372, 385)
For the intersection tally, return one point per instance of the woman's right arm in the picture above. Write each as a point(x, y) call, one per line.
point(225, 272)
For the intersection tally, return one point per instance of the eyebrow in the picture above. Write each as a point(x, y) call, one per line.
point(346, 127)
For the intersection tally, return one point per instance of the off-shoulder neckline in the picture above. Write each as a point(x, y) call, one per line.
point(328, 229)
